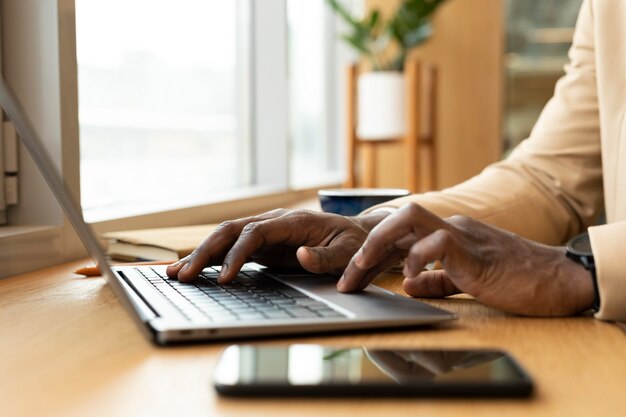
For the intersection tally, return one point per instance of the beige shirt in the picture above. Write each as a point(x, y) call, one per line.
point(573, 166)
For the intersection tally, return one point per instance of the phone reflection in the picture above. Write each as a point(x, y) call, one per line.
point(315, 365)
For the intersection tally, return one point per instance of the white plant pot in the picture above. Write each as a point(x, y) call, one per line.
point(381, 105)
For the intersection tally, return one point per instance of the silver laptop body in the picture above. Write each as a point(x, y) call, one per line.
point(165, 317)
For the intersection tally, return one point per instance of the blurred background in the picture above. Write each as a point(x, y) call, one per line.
point(538, 36)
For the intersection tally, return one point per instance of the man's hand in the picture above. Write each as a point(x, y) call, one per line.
point(317, 242)
point(498, 268)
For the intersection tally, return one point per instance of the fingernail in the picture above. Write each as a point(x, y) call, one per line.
point(358, 257)
point(340, 282)
point(185, 267)
point(406, 271)
point(223, 271)
point(181, 260)
point(314, 256)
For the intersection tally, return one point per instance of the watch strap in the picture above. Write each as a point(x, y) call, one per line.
point(579, 250)
point(590, 266)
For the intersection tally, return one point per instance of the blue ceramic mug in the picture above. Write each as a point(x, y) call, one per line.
point(352, 201)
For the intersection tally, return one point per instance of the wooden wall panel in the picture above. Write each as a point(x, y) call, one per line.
point(468, 47)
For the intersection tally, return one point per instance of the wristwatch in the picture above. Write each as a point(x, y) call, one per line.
point(579, 250)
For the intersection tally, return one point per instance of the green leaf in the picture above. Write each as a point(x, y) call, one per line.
point(335, 354)
point(344, 13)
point(373, 19)
point(409, 27)
point(357, 43)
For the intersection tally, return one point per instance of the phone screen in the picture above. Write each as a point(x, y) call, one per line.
point(323, 370)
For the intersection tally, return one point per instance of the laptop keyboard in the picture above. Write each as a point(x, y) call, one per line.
point(252, 296)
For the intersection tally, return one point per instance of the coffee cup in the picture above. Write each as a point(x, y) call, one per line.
point(352, 201)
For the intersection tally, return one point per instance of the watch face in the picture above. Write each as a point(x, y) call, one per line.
point(580, 245)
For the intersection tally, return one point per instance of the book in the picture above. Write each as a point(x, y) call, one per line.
point(163, 244)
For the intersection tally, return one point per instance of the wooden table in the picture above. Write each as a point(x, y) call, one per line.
point(69, 349)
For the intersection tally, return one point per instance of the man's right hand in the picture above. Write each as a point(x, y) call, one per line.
point(318, 242)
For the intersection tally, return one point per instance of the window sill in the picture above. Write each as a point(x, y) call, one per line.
point(106, 214)
point(238, 205)
point(27, 248)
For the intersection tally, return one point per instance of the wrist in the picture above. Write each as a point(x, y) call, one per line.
point(580, 281)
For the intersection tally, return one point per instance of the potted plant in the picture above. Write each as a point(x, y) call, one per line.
point(385, 44)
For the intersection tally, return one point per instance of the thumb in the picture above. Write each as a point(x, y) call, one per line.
point(324, 259)
point(430, 284)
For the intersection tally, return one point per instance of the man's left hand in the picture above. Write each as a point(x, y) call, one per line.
point(498, 268)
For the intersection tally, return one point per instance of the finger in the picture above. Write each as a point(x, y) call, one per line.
point(330, 259)
point(317, 260)
point(355, 279)
point(254, 236)
point(382, 240)
point(434, 247)
point(388, 240)
point(172, 270)
point(210, 251)
point(383, 266)
point(430, 284)
point(214, 248)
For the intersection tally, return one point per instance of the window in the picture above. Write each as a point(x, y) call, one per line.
point(188, 101)
point(158, 103)
point(311, 82)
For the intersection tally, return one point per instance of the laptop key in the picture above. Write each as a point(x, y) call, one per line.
point(231, 302)
point(194, 299)
point(148, 273)
point(247, 268)
point(276, 314)
point(293, 293)
point(240, 309)
point(211, 291)
point(259, 306)
point(221, 296)
point(248, 296)
point(307, 302)
point(250, 315)
point(301, 313)
point(207, 308)
point(190, 291)
point(283, 301)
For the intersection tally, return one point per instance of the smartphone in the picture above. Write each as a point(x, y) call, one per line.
point(316, 370)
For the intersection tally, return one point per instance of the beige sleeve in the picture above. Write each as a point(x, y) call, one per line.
point(550, 187)
point(607, 244)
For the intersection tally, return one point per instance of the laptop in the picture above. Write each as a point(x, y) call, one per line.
point(260, 302)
